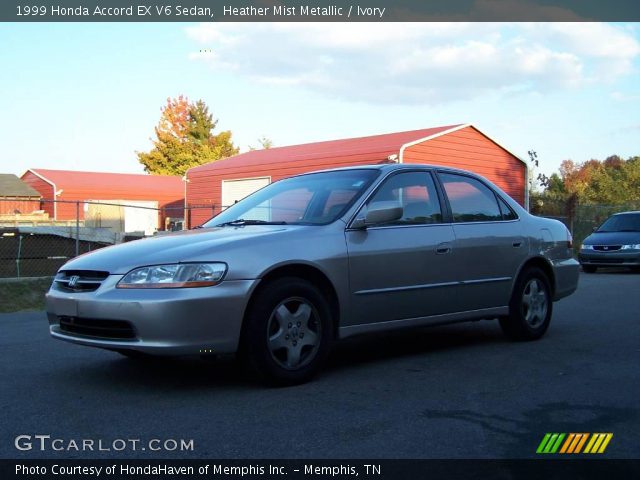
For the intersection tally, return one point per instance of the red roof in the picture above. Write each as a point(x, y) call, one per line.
point(377, 146)
point(71, 179)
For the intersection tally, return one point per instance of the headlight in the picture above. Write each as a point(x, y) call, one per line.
point(587, 247)
point(181, 275)
point(631, 247)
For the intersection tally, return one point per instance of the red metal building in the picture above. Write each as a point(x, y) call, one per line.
point(16, 196)
point(221, 183)
point(69, 185)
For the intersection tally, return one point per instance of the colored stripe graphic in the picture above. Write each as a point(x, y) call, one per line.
point(544, 441)
point(574, 443)
point(556, 445)
point(550, 443)
point(566, 445)
point(581, 442)
point(598, 442)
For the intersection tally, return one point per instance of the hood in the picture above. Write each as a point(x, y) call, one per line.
point(612, 238)
point(188, 246)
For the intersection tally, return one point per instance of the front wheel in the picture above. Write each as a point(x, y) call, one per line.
point(530, 307)
point(288, 331)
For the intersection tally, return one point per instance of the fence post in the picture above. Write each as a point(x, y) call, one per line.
point(77, 227)
point(19, 254)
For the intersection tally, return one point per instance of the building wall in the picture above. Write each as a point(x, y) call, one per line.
point(469, 149)
point(67, 211)
point(45, 189)
point(9, 205)
point(466, 148)
point(171, 199)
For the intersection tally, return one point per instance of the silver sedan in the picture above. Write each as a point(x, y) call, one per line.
point(280, 276)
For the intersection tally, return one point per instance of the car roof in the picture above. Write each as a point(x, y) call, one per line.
point(630, 212)
point(386, 167)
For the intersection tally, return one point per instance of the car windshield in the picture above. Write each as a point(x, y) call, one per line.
point(312, 199)
point(621, 223)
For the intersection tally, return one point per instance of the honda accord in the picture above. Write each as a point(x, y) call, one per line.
point(283, 274)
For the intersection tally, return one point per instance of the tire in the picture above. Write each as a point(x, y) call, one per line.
point(530, 307)
point(589, 268)
point(288, 332)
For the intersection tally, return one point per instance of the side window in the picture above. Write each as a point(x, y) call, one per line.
point(416, 193)
point(507, 212)
point(470, 200)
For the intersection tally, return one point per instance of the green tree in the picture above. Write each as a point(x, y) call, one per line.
point(264, 142)
point(612, 181)
point(184, 139)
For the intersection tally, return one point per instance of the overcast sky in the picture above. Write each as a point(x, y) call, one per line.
point(87, 96)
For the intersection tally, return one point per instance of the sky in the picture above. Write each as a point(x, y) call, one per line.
point(87, 96)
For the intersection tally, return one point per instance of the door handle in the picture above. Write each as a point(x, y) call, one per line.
point(517, 244)
point(443, 248)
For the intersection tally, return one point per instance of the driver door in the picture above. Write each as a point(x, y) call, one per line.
point(401, 270)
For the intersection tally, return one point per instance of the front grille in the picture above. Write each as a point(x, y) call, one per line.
point(79, 280)
point(607, 248)
point(98, 328)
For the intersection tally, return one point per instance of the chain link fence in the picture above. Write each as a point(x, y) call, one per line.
point(38, 236)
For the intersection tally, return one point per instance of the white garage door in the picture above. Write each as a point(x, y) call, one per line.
point(234, 190)
point(140, 219)
point(122, 215)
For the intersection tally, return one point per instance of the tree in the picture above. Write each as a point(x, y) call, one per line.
point(265, 144)
point(184, 139)
point(612, 181)
point(200, 122)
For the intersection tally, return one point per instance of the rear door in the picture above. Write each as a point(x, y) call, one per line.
point(402, 270)
point(489, 243)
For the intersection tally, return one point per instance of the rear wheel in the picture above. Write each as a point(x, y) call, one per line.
point(589, 269)
point(288, 331)
point(530, 307)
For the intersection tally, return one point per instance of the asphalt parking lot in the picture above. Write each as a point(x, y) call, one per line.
point(460, 391)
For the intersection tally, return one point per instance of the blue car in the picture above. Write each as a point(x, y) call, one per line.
point(615, 243)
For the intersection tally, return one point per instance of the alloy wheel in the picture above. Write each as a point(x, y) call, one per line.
point(294, 333)
point(535, 302)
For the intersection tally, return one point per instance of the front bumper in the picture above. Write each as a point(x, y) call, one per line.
point(618, 258)
point(179, 321)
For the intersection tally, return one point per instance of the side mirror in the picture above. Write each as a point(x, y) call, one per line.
point(379, 213)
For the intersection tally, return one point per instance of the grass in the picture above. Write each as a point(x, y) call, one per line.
point(23, 294)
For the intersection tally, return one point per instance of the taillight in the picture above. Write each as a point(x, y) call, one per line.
point(569, 239)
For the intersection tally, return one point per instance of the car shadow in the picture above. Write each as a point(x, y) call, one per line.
point(616, 270)
point(380, 347)
point(106, 370)
point(156, 373)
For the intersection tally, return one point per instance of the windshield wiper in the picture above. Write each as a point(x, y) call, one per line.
point(241, 221)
